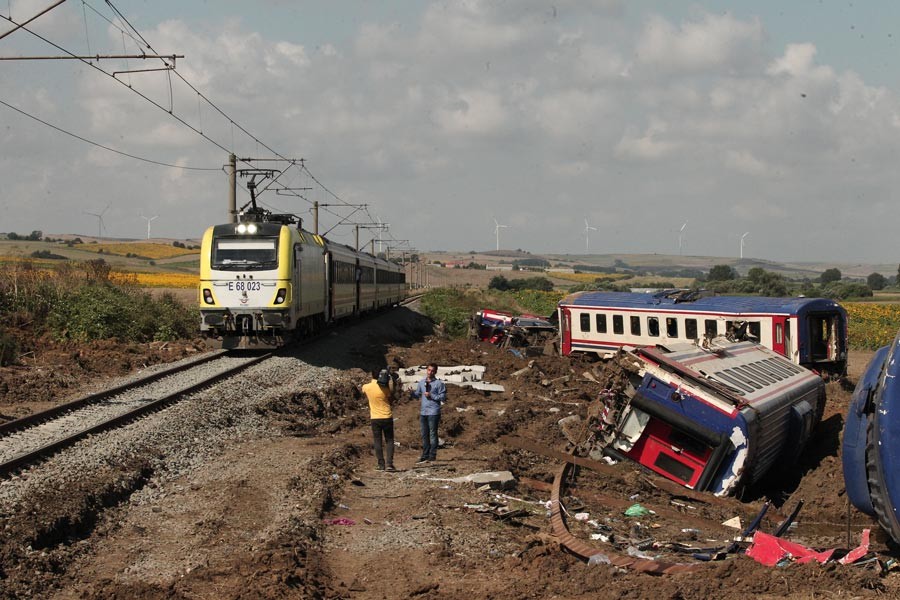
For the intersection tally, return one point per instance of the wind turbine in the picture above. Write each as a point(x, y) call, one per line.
point(681, 237)
point(587, 235)
point(100, 225)
point(497, 228)
point(742, 244)
point(149, 220)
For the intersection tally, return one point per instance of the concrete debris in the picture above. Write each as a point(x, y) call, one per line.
point(497, 480)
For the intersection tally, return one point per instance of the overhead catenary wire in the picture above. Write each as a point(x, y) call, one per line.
point(99, 145)
point(142, 42)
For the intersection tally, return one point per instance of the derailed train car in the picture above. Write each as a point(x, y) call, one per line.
point(714, 418)
point(264, 281)
point(871, 442)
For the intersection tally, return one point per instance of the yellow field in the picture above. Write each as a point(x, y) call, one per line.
point(872, 325)
point(167, 280)
point(144, 249)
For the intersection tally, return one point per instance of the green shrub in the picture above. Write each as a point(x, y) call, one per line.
point(103, 310)
point(9, 349)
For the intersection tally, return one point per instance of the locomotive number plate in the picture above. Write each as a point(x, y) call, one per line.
point(244, 286)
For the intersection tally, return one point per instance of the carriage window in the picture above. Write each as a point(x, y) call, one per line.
point(672, 327)
point(711, 328)
point(635, 326)
point(779, 334)
point(585, 320)
point(690, 329)
point(754, 329)
point(601, 323)
point(653, 326)
point(618, 324)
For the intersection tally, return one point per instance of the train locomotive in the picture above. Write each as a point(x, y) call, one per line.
point(265, 281)
point(811, 332)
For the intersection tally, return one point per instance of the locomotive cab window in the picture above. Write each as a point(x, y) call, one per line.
point(245, 253)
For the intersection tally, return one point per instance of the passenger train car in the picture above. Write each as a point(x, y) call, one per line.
point(264, 281)
point(871, 441)
point(713, 417)
point(811, 332)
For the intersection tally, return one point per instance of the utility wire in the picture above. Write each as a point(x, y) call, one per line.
point(171, 111)
point(83, 139)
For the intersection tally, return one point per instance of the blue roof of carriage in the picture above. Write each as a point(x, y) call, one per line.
point(679, 300)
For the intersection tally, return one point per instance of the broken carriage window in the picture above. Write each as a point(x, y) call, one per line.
point(635, 325)
point(672, 327)
point(618, 324)
point(711, 328)
point(754, 329)
point(690, 329)
point(601, 323)
point(585, 320)
point(653, 326)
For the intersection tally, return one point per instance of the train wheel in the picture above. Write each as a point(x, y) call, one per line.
point(877, 492)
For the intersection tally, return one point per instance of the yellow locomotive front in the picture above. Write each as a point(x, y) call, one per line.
point(246, 284)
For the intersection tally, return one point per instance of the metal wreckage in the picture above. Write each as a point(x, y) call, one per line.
point(713, 417)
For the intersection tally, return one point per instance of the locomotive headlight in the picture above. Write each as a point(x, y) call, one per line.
point(242, 228)
point(207, 296)
point(251, 228)
point(279, 297)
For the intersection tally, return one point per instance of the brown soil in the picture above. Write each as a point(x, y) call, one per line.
point(303, 514)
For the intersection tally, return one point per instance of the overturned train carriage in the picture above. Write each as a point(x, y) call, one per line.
point(712, 419)
point(264, 283)
point(871, 441)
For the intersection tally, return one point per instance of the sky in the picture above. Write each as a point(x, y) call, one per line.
point(764, 129)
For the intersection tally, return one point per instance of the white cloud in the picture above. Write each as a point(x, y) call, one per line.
point(473, 112)
point(708, 43)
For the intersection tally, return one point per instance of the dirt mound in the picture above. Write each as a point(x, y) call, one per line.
point(301, 512)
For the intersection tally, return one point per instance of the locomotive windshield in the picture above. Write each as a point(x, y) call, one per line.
point(245, 253)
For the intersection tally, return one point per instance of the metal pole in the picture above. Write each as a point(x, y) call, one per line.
point(232, 188)
point(316, 217)
point(357, 238)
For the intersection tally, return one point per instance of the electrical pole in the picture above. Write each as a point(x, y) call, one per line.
point(232, 188)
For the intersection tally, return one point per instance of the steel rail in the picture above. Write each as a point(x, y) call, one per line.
point(51, 448)
point(52, 413)
point(585, 551)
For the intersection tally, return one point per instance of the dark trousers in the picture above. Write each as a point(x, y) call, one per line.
point(383, 427)
point(429, 425)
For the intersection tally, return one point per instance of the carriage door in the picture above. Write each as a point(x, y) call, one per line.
point(565, 324)
point(779, 327)
point(297, 278)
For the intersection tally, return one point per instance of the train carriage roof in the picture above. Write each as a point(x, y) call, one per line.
point(678, 300)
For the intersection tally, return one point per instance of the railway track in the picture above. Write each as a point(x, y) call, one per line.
point(32, 438)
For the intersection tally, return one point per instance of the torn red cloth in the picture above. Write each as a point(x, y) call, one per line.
point(770, 550)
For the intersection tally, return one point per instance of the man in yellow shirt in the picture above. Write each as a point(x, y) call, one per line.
point(380, 397)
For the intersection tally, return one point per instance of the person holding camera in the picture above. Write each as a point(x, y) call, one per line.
point(432, 393)
point(380, 395)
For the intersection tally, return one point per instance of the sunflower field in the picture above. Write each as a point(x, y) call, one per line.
point(872, 325)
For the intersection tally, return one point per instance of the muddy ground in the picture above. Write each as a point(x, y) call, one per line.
point(301, 513)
